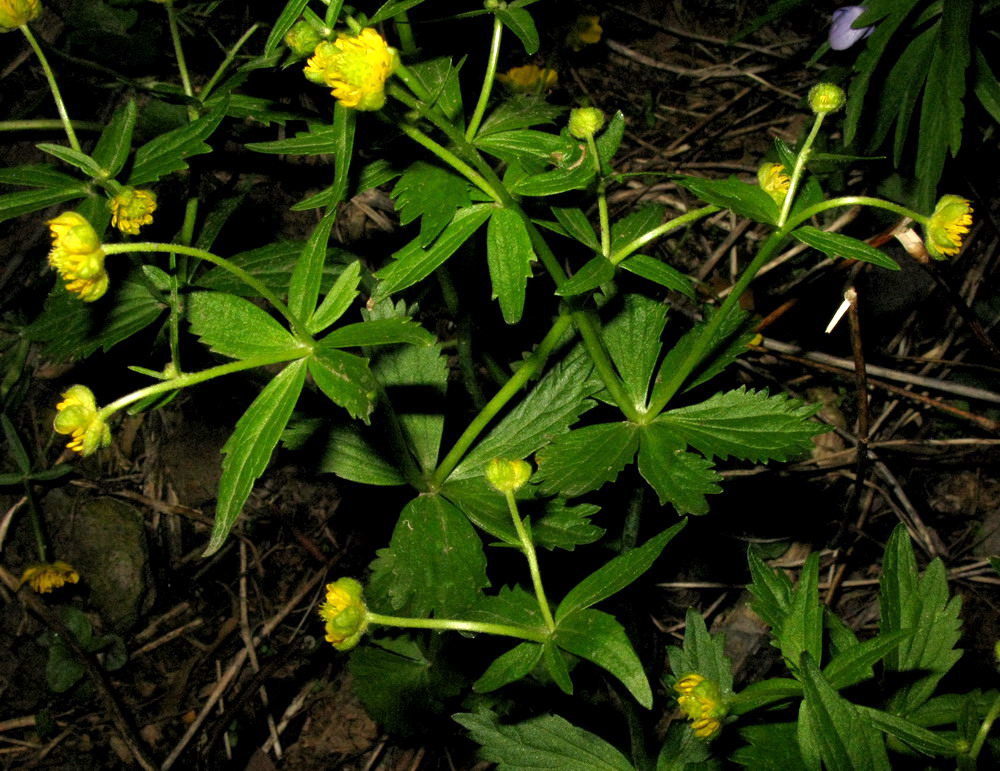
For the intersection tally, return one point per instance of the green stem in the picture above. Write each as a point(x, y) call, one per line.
point(634, 245)
point(175, 36)
point(504, 630)
point(194, 378)
point(221, 70)
point(46, 123)
point(451, 159)
point(491, 71)
point(602, 363)
point(405, 31)
point(297, 326)
point(800, 167)
point(497, 403)
point(67, 124)
point(984, 731)
point(602, 199)
point(529, 551)
point(41, 546)
point(852, 200)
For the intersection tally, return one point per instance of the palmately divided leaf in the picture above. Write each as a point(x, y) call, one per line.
point(586, 458)
point(168, 152)
point(680, 478)
point(749, 425)
point(235, 327)
point(633, 341)
point(272, 265)
point(520, 111)
point(510, 667)
point(431, 194)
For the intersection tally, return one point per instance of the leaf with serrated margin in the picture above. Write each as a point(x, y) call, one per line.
point(920, 605)
point(509, 254)
point(24, 202)
point(519, 21)
point(391, 8)
point(413, 263)
point(846, 739)
point(379, 332)
point(303, 289)
point(633, 225)
point(510, 667)
point(565, 527)
point(272, 265)
point(771, 746)
point(703, 653)
point(633, 341)
point(614, 576)
point(771, 590)
point(431, 194)
point(659, 273)
point(415, 379)
point(610, 140)
point(319, 139)
point(526, 145)
point(839, 245)
point(115, 144)
point(574, 172)
point(681, 478)
point(348, 454)
point(577, 226)
point(511, 605)
point(345, 379)
point(802, 627)
point(80, 160)
point(985, 85)
point(440, 79)
point(289, 15)
point(249, 449)
point(599, 638)
point(749, 425)
point(434, 563)
point(764, 692)
point(546, 742)
point(520, 111)
point(168, 152)
point(743, 199)
point(854, 665)
point(597, 271)
point(37, 175)
point(235, 327)
point(554, 404)
point(917, 737)
point(586, 458)
point(337, 300)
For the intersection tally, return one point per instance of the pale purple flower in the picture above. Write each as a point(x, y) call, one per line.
point(842, 34)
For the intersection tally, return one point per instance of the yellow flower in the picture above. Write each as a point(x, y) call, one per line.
point(345, 613)
point(586, 31)
point(14, 13)
point(948, 224)
point(355, 67)
point(78, 416)
point(774, 181)
point(507, 475)
point(529, 79)
point(43, 577)
point(77, 256)
point(131, 209)
point(702, 703)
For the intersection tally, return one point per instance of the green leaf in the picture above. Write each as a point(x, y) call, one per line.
point(659, 273)
point(633, 341)
point(555, 665)
point(743, 199)
point(586, 458)
point(115, 144)
point(577, 226)
point(749, 425)
point(414, 263)
point(914, 735)
point(304, 287)
point(565, 527)
point(431, 194)
point(509, 668)
point(345, 379)
point(703, 653)
point(15, 204)
point(391, 8)
point(610, 140)
point(235, 327)
point(839, 245)
point(15, 447)
point(681, 478)
point(37, 175)
point(350, 456)
point(636, 224)
point(378, 332)
point(434, 563)
point(905, 82)
point(683, 751)
point(249, 449)
point(337, 300)
point(526, 145)
point(415, 379)
point(509, 254)
point(375, 174)
point(168, 152)
point(520, 111)
point(985, 85)
point(921, 606)
point(616, 574)
point(771, 590)
point(80, 160)
point(802, 627)
point(546, 742)
point(547, 411)
point(846, 739)
point(343, 150)
point(854, 665)
point(440, 79)
point(289, 15)
point(599, 638)
point(512, 606)
point(763, 693)
point(574, 172)
point(772, 746)
point(319, 139)
point(273, 266)
point(519, 21)
point(594, 273)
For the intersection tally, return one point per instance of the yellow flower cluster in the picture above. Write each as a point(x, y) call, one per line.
point(78, 416)
point(774, 181)
point(948, 224)
point(529, 79)
point(701, 701)
point(77, 256)
point(43, 577)
point(355, 67)
point(14, 13)
point(344, 613)
point(131, 209)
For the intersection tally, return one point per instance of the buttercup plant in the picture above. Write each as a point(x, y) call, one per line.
point(508, 184)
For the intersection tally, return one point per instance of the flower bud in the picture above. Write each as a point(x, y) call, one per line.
point(495, 5)
point(302, 39)
point(344, 613)
point(78, 416)
point(774, 181)
point(826, 97)
point(507, 476)
point(15, 13)
point(131, 209)
point(948, 224)
point(584, 122)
